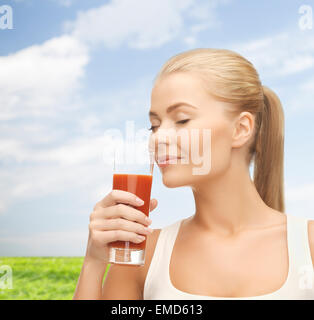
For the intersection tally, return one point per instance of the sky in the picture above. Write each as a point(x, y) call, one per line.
point(71, 69)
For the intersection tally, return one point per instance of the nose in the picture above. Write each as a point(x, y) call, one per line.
point(164, 141)
point(162, 135)
point(159, 143)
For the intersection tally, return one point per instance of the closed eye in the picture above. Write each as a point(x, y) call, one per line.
point(152, 128)
point(183, 121)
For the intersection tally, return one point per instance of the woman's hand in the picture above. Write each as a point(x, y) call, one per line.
point(114, 219)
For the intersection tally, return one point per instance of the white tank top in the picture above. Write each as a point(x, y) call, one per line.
point(298, 285)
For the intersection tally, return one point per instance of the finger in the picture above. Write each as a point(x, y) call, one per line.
point(153, 204)
point(118, 196)
point(120, 224)
point(120, 211)
point(114, 235)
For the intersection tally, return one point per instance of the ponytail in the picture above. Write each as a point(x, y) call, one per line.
point(269, 152)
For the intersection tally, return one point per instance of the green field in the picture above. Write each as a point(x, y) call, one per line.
point(42, 278)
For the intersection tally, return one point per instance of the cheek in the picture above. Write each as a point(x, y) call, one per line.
point(214, 148)
point(220, 148)
point(220, 141)
point(211, 151)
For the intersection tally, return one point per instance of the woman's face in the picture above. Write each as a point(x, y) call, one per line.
point(201, 134)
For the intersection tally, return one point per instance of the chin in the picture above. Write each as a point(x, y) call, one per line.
point(174, 179)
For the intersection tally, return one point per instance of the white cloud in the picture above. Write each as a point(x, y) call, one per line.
point(84, 163)
point(90, 123)
point(40, 158)
point(300, 98)
point(308, 85)
point(281, 54)
point(142, 24)
point(65, 3)
point(36, 133)
point(52, 170)
point(298, 63)
point(34, 182)
point(205, 13)
point(190, 41)
point(42, 79)
point(78, 151)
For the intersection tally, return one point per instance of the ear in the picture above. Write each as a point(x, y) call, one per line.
point(243, 129)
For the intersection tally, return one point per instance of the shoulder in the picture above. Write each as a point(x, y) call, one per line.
point(151, 241)
point(311, 238)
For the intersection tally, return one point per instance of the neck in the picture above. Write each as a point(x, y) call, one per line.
point(229, 203)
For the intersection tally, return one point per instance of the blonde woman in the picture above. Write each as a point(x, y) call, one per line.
point(239, 243)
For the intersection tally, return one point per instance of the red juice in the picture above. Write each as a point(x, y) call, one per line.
point(140, 185)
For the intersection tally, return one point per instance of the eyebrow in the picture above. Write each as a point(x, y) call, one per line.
point(172, 107)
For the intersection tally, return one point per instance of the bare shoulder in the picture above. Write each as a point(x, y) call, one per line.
point(311, 238)
point(127, 282)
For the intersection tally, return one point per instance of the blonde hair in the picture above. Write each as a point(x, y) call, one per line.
point(231, 78)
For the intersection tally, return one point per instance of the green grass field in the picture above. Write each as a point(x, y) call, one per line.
point(42, 278)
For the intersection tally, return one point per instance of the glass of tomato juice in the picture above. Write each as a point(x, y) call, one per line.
point(135, 177)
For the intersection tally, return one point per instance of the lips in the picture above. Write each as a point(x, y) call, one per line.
point(166, 158)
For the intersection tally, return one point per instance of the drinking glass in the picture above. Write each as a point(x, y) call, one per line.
point(135, 176)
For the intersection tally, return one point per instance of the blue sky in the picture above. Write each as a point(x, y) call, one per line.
point(71, 69)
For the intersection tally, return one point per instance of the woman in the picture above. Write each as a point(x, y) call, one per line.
point(239, 244)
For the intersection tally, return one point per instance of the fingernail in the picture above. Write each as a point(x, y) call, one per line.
point(140, 238)
point(139, 201)
point(150, 230)
point(148, 220)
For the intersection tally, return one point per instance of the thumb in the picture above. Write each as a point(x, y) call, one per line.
point(153, 204)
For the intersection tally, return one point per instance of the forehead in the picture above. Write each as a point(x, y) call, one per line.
point(190, 88)
point(179, 86)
